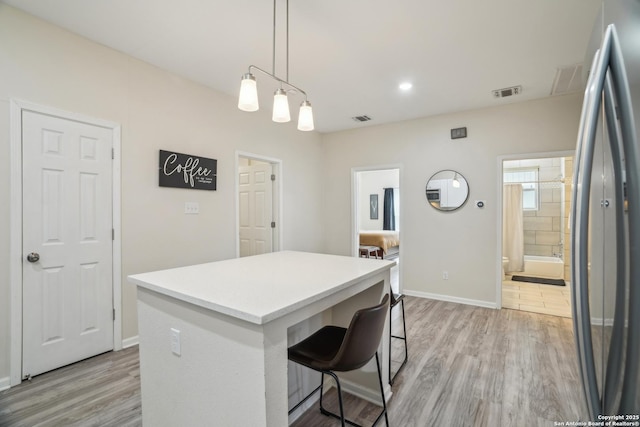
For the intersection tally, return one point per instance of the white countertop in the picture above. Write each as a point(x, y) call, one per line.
point(261, 288)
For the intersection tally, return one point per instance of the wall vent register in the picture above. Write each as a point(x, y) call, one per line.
point(507, 91)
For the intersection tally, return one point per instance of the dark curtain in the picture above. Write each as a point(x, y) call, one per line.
point(389, 217)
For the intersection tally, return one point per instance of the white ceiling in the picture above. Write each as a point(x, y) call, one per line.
point(348, 55)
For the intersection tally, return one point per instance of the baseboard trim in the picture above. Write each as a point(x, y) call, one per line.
point(130, 342)
point(366, 393)
point(5, 383)
point(313, 400)
point(598, 321)
point(449, 298)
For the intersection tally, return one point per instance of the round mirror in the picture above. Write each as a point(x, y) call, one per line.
point(447, 190)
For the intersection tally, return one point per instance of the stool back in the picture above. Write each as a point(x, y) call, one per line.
point(362, 338)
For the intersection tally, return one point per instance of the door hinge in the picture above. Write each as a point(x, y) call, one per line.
point(113, 234)
point(114, 314)
point(273, 224)
point(273, 177)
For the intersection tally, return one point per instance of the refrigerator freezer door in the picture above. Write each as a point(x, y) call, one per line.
point(630, 394)
point(602, 238)
point(580, 218)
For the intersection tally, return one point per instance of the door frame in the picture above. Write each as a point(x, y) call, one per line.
point(15, 222)
point(277, 202)
point(355, 211)
point(501, 159)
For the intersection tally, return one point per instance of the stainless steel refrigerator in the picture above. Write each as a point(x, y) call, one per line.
point(605, 218)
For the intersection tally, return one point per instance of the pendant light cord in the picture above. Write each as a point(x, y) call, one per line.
point(287, 75)
point(273, 55)
point(273, 52)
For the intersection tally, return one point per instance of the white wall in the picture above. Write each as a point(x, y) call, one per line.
point(374, 182)
point(46, 65)
point(462, 242)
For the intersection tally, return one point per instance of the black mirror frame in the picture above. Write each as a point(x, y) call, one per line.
point(430, 195)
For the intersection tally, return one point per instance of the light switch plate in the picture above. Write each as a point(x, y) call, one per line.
point(176, 347)
point(191, 208)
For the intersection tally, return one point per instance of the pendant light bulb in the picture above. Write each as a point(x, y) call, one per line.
point(248, 99)
point(281, 107)
point(455, 183)
point(305, 117)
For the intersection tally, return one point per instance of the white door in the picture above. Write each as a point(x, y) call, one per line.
point(255, 205)
point(67, 221)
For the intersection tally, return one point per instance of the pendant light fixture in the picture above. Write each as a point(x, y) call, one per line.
point(248, 99)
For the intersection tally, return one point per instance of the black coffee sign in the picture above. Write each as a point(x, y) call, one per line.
point(187, 171)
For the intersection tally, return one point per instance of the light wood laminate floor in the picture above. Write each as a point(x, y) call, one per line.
point(537, 298)
point(468, 366)
point(102, 391)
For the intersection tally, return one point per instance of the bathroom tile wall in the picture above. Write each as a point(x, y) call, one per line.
point(543, 228)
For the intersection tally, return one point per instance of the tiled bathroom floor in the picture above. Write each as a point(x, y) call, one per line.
point(545, 299)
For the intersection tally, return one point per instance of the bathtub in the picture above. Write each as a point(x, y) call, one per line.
point(543, 266)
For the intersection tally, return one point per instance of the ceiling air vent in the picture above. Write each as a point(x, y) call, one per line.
point(567, 80)
point(507, 91)
point(361, 118)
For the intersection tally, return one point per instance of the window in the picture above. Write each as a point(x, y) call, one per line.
point(529, 180)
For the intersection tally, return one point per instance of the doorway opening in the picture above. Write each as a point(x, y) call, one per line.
point(536, 257)
point(258, 202)
point(376, 220)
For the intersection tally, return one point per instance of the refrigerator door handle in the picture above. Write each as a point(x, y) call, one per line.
point(629, 399)
point(575, 239)
point(612, 382)
point(580, 228)
point(585, 109)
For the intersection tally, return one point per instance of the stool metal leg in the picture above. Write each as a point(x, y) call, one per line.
point(403, 338)
point(384, 402)
point(341, 417)
point(329, 413)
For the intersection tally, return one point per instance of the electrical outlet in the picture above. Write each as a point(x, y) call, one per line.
point(445, 275)
point(176, 347)
point(192, 208)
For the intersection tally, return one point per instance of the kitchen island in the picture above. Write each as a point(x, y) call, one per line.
point(214, 337)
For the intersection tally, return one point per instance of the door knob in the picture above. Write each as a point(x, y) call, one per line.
point(33, 257)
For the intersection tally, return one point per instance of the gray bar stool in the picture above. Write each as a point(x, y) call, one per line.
point(335, 349)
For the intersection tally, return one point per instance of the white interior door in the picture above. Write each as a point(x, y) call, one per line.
point(67, 221)
point(256, 209)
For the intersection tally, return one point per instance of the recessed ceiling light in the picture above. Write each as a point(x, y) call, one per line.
point(405, 86)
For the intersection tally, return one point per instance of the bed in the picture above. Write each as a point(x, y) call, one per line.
point(387, 240)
